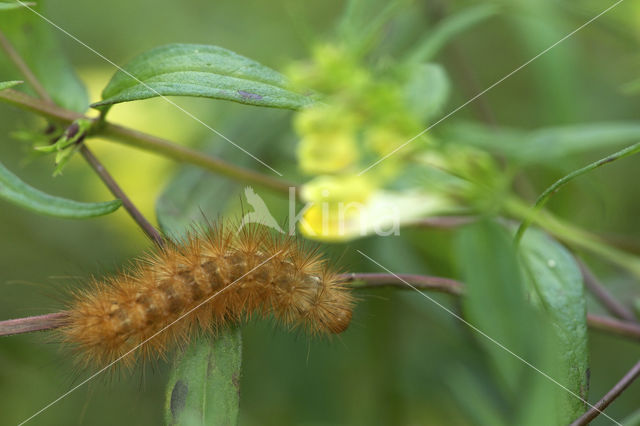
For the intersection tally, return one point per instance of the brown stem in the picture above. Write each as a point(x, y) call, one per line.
point(24, 68)
point(147, 142)
point(612, 325)
point(97, 166)
point(356, 281)
point(180, 153)
point(445, 222)
point(609, 397)
point(422, 282)
point(612, 305)
point(115, 189)
point(29, 324)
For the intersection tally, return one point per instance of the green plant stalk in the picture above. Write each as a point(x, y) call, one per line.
point(573, 236)
point(546, 195)
point(146, 142)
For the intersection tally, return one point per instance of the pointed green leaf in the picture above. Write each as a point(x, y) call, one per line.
point(495, 301)
point(8, 84)
point(17, 192)
point(202, 71)
point(556, 283)
point(521, 344)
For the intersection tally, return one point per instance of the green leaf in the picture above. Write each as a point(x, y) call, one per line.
point(427, 90)
point(448, 29)
point(8, 84)
point(495, 301)
point(496, 305)
point(547, 144)
point(16, 191)
point(14, 5)
point(556, 282)
point(34, 39)
point(204, 386)
point(202, 71)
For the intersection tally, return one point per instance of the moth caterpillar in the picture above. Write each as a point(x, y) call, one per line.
point(230, 275)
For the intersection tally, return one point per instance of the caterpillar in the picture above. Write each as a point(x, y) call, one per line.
point(211, 278)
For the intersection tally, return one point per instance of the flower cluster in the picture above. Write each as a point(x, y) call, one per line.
point(363, 118)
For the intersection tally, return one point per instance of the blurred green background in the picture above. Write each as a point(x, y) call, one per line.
point(404, 360)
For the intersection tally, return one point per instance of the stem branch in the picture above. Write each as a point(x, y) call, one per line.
point(97, 166)
point(24, 69)
point(609, 397)
point(605, 298)
point(358, 281)
point(115, 189)
point(29, 324)
point(147, 142)
point(422, 282)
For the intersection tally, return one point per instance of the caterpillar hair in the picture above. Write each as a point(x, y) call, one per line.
point(211, 278)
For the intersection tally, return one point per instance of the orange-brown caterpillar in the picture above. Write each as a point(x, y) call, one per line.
point(252, 272)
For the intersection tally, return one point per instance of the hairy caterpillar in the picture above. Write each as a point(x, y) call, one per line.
point(226, 276)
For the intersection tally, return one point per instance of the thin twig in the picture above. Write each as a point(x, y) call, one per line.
point(147, 142)
point(29, 324)
point(54, 320)
point(609, 397)
point(422, 282)
point(180, 153)
point(115, 189)
point(24, 68)
point(444, 222)
point(616, 326)
point(97, 166)
point(356, 281)
point(607, 300)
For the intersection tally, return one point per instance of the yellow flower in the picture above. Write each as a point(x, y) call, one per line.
point(328, 142)
point(320, 153)
point(334, 205)
point(347, 207)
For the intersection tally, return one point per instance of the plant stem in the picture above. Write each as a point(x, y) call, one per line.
point(444, 222)
point(546, 195)
point(24, 69)
point(180, 153)
point(97, 166)
point(612, 325)
point(147, 142)
point(574, 237)
point(423, 282)
point(612, 305)
point(115, 189)
point(357, 281)
point(609, 397)
point(29, 324)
